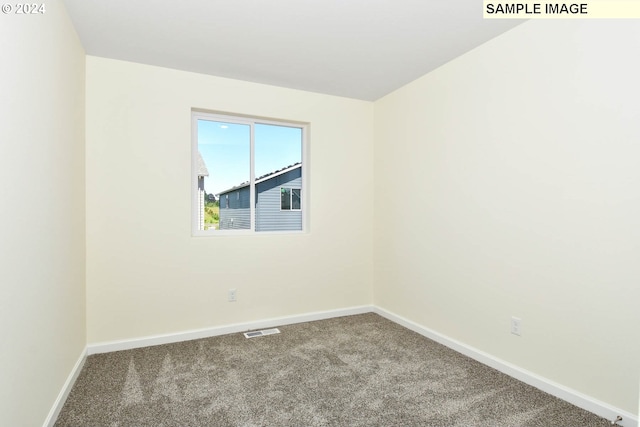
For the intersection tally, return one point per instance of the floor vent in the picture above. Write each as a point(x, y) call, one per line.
point(261, 333)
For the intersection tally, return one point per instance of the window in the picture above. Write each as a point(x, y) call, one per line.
point(290, 199)
point(295, 199)
point(261, 161)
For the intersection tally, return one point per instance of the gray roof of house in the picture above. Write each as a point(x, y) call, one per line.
point(202, 166)
point(265, 177)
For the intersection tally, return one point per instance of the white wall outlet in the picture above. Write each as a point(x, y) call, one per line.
point(232, 295)
point(516, 326)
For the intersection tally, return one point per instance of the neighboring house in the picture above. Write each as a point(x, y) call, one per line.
point(278, 202)
point(202, 172)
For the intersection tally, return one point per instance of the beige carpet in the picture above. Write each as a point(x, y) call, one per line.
point(351, 371)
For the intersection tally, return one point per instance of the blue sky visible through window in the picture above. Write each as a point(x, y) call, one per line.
point(225, 148)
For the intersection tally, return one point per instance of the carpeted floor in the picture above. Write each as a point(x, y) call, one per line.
point(351, 371)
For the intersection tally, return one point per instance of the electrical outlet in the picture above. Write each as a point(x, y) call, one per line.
point(516, 326)
point(232, 295)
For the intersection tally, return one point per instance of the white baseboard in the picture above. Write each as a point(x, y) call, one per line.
point(572, 396)
point(223, 330)
point(66, 389)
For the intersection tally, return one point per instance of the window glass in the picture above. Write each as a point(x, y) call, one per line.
point(295, 198)
point(276, 147)
point(225, 149)
point(285, 200)
point(260, 161)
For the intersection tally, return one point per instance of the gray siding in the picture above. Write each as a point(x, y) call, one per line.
point(201, 203)
point(269, 217)
point(238, 214)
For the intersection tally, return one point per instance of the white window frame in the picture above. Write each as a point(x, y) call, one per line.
point(196, 115)
point(291, 209)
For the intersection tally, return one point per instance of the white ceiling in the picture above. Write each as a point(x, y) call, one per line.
point(360, 49)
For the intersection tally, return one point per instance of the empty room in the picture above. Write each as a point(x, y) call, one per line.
point(424, 216)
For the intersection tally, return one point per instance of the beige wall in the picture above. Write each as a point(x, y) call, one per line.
point(146, 275)
point(42, 253)
point(507, 184)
